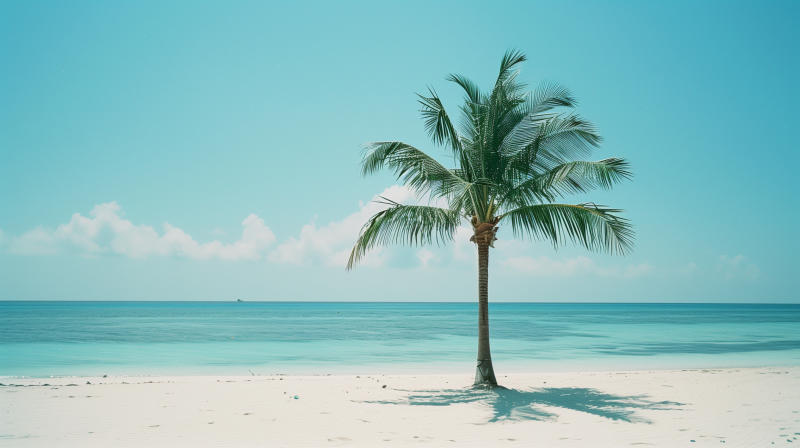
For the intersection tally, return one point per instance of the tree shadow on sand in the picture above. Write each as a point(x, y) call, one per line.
point(518, 405)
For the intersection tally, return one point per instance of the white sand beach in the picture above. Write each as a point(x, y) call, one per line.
point(745, 407)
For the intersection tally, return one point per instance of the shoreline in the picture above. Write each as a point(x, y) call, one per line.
point(750, 406)
point(452, 372)
point(607, 366)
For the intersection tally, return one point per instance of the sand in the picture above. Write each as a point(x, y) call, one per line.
point(736, 407)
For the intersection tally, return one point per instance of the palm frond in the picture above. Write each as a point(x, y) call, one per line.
point(556, 141)
point(470, 88)
point(551, 94)
point(594, 227)
point(569, 178)
point(581, 176)
point(437, 122)
point(537, 109)
point(421, 172)
point(510, 60)
point(411, 224)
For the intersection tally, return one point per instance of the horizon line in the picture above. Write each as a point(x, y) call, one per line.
point(419, 301)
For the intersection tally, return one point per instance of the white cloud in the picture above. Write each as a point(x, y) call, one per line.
point(218, 232)
point(570, 267)
point(737, 267)
point(425, 256)
point(106, 232)
point(688, 270)
point(464, 250)
point(38, 241)
point(331, 244)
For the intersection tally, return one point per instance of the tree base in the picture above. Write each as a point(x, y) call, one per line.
point(484, 374)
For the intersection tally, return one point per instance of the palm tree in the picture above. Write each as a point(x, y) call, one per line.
point(516, 153)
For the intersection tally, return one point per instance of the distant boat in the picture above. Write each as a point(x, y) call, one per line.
point(239, 300)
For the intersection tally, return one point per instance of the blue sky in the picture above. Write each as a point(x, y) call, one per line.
point(210, 150)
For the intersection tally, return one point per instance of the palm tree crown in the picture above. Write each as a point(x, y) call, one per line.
point(515, 153)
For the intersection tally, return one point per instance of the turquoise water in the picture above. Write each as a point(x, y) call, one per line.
point(41, 339)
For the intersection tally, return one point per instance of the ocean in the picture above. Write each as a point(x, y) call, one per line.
point(43, 339)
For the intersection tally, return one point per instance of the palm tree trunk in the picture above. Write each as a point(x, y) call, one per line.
point(484, 374)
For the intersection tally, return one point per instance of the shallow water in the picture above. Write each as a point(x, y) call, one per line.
point(153, 338)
